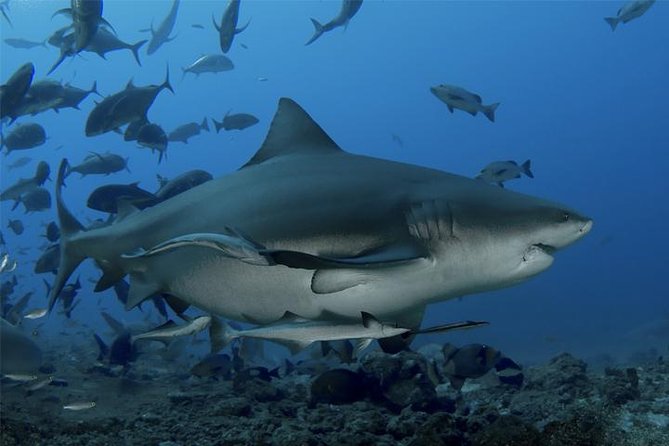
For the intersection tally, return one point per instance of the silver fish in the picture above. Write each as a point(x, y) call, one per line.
point(84, 405)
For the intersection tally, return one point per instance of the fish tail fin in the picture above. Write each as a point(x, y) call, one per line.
point(526, 169)
point(221, 334)
point(489, 111)
point(318, 31)
point(205, 124)
point(166, 84)
point(70, 258)
point(135, 50)
point(94, 88)
point(612, 21)
point(217, 125)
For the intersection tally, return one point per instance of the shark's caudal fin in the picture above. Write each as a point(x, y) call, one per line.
point(69, 227)
point(612, 21)
point(318, 31)
point(489, 111)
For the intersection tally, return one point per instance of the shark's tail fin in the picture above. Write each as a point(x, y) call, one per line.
point(489, 111)
point(318, 31)
point(220, 334)
point(526, 169)
point(135, 50)
point(217, 125)
point(70, 258)
point(612, 21)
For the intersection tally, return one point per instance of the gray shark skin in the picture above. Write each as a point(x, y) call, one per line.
point(357, 234)
point(162, 34)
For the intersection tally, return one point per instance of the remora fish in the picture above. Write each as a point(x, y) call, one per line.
point(630, 11)
point(170, 330)
point(297, 333)
point(348, 9)
point(389, 240)
point(228, 27)
point(162, 34)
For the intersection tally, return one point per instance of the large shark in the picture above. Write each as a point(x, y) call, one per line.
point(345, 233)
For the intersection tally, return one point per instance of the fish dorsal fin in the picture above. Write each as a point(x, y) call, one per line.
point(293, 131)
point(169, 324)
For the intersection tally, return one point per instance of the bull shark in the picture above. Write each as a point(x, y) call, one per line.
point(347, 233)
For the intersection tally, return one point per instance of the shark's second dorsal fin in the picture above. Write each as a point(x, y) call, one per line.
point(293, 131)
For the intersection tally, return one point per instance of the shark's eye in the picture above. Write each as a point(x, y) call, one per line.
point(565, 216)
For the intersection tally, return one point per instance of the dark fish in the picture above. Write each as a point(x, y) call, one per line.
point(228, 27)
point(106, 42)
point(25, 185)
point(35, 200)
point(250, 373)
point(49, 260)
point(42, 96)
point(122, 352)
point(213, 365)
point(182, 183)
point(52, 233)
point(470, 361)
point(237, 121)
point(129, 105)
point(12, 92)
point(7, 288)
point(500, 171)
point(338, 386)
point(16, 226)
point(19, 162)
point(86, 17)
point(24, 44)
point(153, 137)
point(348, 9)
point(212, 63)
point(100, 164)
point(106, 198)
point(132, 130)
point(162, 34)
point(508, 372)
point(66, 296)
point(72, 96)
point(186, 131)
point(24, 136)
point(197, 26)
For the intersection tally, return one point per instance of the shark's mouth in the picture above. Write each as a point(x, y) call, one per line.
point(548, 249)
point(538, 250)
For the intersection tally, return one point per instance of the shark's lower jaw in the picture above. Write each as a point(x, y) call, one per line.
point(536, 259)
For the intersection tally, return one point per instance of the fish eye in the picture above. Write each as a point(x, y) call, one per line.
point(565, 216)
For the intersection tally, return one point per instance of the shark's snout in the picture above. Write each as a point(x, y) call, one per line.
point(587, 226)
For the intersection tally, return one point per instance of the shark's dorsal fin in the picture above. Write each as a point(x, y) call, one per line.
point(293, 131)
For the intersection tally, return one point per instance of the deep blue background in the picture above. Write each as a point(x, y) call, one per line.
point(588, 106)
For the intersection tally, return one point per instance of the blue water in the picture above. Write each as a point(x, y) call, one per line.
point(586, 105)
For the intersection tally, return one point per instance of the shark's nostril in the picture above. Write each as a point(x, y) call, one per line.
point(586, 227)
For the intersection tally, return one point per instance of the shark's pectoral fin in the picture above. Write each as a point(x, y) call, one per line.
point(177, 305)
point(110, 276)
point(328, 281)
point(361, 345)
point(141, 289)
